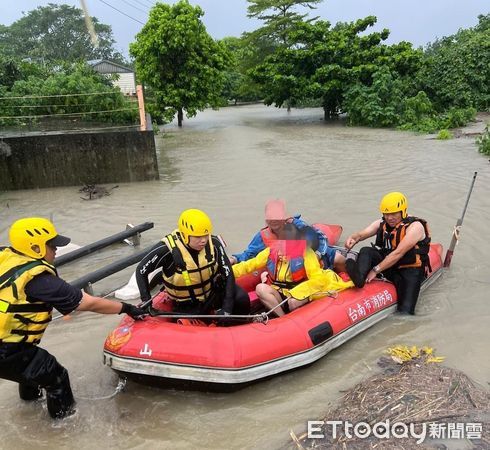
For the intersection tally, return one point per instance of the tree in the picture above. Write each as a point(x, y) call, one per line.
point(245, 55)
point(176, 56)
point(457, 72)
point(56, 33)
point(324, 62)
point(279, 17)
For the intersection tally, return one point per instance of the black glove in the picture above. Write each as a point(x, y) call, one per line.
point(132, 311)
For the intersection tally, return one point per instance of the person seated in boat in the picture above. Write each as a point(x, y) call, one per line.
point(294, 274)
point(276, 219)
point(196, 272)
point(29, 290)
point(401, 251)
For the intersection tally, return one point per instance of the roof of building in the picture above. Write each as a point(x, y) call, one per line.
point(105, 66)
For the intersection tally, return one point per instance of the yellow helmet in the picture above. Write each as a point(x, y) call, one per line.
point(35, 231)
point(394, 202)
point(194, 222)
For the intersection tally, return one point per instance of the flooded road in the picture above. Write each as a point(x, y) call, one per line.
point(229, 163)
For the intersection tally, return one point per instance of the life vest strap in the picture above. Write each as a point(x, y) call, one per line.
point(27, 321)
point(11, 275)
point(27, 333)
point(202, 285)
point(31, 308)
point(285, 284)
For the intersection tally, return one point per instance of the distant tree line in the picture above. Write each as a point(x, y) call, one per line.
point(346, 69)
point(291, 60)
point(43, 66)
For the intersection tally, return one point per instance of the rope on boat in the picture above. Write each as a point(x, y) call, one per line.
point(262, 317)
point(121, 384)
point(456, 232)
point(256, 318)
point(277, 306)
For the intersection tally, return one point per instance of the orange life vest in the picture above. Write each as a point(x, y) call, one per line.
point(267, 236)
point(286, 263)
point(388, 239)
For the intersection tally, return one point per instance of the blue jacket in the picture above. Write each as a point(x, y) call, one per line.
point(257, 244)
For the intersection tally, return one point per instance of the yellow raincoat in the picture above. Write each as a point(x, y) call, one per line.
point(318, 283)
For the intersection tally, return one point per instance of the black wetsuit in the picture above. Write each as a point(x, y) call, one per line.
point(227, 295)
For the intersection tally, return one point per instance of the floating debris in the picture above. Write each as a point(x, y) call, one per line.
point(92, 191)
point(413, 391)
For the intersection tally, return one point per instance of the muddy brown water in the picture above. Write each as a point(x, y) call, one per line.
point(229, 162)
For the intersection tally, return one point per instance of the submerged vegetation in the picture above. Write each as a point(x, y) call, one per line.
point(483, 142)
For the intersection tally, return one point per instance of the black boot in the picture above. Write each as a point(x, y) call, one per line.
point(353, 272)
point(59, 398)
point(29, 392)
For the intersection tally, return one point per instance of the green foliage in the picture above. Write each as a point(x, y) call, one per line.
point(12, 70)
point(352, 71)
point(375, 105)
point(325, 62)
point(280, 17)
point(444, 135)
point(431, 121)
point(483, 142)
point(232, 75)
point(457, 73)
point(176, 57)
point(50, 86)
point(56, 33)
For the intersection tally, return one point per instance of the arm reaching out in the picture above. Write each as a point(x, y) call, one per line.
point(369, 231)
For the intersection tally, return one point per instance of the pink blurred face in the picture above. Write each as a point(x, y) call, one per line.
point(275, 225)
point(198, 242)
point(393, 219)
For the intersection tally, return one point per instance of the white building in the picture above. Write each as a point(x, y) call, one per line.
point(125, 81)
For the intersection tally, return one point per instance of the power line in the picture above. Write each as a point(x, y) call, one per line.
point(142, 4)
point(60, 95)
point(152, 4)
point(119, 11)
point(54, 105)
point(135, 7)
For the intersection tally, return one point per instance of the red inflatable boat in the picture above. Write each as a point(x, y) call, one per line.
point(159, 347)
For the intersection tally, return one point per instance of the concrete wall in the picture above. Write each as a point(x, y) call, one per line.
point(38, 161)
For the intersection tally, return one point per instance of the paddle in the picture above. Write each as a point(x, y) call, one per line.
point(457, 228)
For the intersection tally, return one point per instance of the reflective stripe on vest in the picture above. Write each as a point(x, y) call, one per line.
point(190, 281)
point(21, 320)
point(388, 239)
point(286, 263)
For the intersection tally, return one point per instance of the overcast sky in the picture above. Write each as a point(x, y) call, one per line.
point(417, 21)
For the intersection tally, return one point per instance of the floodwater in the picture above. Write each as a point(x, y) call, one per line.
point(228, 163)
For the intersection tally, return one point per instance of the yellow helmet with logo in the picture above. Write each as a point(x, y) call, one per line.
point(394, 202)
point(29, 236)
point(194, 222)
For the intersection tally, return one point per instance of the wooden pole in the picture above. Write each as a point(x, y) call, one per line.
point(459, 223)
point(141, 107)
